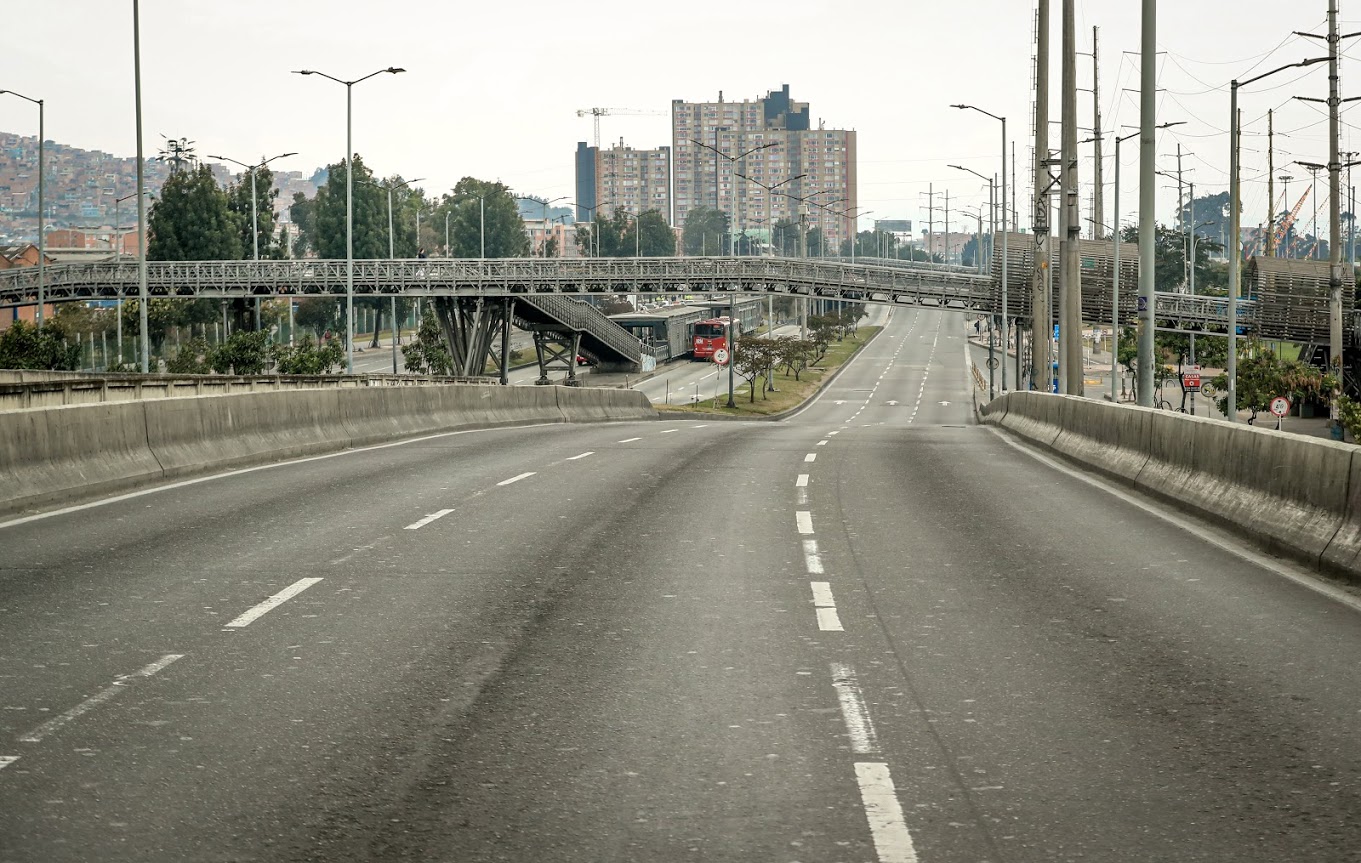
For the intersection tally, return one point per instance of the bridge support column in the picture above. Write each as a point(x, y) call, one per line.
point(554, 348)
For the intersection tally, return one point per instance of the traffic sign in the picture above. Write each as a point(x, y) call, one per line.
point(1280, 406)
point(992, 362)
point(721, 356)
point(1191, 380)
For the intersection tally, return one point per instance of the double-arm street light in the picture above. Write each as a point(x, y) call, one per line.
point(1006, 330)
point(1234, 252)
point(349, 201)
point(732, 168)
point(853, 227)
point(254, 216)
point(118, 257)
point(42, 216)
point(770, 196)
point(992, 206)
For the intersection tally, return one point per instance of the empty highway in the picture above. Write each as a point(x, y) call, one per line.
point(875, 631)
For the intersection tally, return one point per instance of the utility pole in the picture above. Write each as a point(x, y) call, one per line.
point(1334, 220)
point(1269, 249)
point(1041, 341)
point(931, 220)
point(1070, 290)
point(1181, 219)
point(1099, 189)
point(1148, 108)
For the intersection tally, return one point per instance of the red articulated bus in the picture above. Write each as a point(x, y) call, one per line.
point(710, 335)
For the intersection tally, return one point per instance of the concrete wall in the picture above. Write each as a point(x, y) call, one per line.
point(61, 455)
point(1294, 496)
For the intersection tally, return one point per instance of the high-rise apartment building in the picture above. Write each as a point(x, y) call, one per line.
point(622, 178)
point(769, 157)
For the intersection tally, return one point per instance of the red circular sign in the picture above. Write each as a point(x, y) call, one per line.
point(1280, 406)
point(721, 356)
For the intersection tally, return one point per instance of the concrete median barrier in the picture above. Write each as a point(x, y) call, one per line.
point(59, 455)
point(52, 456)
point(1294, 496)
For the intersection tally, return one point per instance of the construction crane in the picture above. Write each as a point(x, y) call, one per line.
point(1289, 221)
point(597, 113)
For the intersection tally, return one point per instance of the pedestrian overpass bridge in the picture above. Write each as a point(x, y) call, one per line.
point(533, 287)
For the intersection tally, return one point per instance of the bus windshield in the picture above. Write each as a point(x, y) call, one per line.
point(709, 331)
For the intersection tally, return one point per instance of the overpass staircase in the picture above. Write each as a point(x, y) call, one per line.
point(565, 327)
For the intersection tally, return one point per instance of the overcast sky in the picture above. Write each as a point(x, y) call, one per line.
point(492, 89)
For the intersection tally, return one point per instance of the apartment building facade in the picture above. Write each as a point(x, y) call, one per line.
point(622, 178)
point(769, 155)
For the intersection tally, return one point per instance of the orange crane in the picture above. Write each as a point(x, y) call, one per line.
point(597, 113)
point(1289, 221)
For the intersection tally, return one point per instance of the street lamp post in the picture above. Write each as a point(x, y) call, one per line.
point(1006, 327)
point(392, 255)
point(254, 217)
point(349, 202)
point(992, 204)
point(42, 216)
point(1235, 241)
point(118, 258)
point(732, 168)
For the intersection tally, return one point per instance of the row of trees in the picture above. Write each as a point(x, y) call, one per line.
point(757, 357)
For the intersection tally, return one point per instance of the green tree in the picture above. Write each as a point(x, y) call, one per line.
point(320, 315)
point(307, 357)
point(164, 315)
point(655, 237)
point(1263, 376)
point(266, 217)
point(505, 230)
point(191, 221)
point(324, 226)
point(302, 212)
point(795, 355)
point(706, 232)
point(429, 354)
point(1169, 254)
point(27, 346)
point(753, 358)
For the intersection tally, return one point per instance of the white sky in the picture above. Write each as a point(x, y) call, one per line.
point(492, 89)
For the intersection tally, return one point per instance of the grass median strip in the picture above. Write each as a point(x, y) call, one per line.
point(789, 393)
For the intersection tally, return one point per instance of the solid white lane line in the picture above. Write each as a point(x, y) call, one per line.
point(630, 440)
point(669, 431)
point(802, 481)
point(583, 455)
point(828, 621)
point(859, 726)
point(517, 478)
point(822, 595)
point(822, 443)
point(811, 558)
point(119, 685)
point(812, 456)
point(7, 760)
point(892, 841)
point(804, 519)
point(434, 516)
point(273, 602)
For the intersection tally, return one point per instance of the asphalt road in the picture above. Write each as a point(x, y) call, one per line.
point(872, 632)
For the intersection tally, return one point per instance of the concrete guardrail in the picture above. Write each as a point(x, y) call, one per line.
point(1293, 496)
point(61, 455)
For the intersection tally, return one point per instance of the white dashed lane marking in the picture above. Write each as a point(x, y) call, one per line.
point(118, 686)
point(517, 478)
point(802, 481)
point(822, 443)
point(630, 440)
point(278, 599)
point(825, 606)
point(434, 516)
point(583, 455)
point(804, 519)
point(864, 740)
point(811, 559)
point(7, 760)
point(812, 456)
point(669, 431)
point(892, 840)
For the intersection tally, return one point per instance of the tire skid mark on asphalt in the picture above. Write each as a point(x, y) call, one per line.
point(109, 692)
